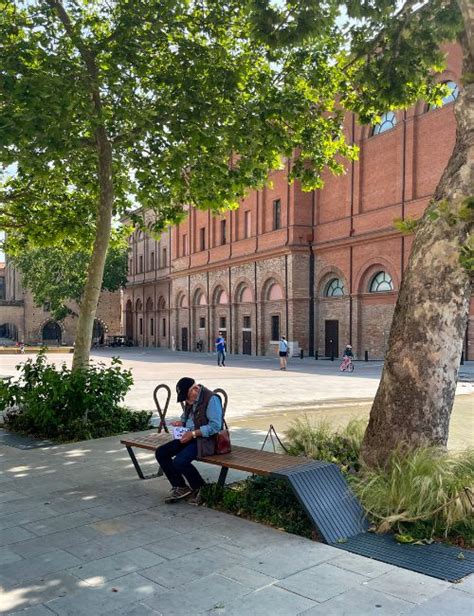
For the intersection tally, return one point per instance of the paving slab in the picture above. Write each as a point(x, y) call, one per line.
point(186, 569)
point(322, 582)
point(95, 600)
point(269, 600)
point(38, 566)
point(23, 595)
point(64, 522)
point(248, 577)
point(8, 556)
point(38, 610)
point(466, 585)
point(199, 597)
point(289, 558)
point(96, 572)
point(361, 601)
point(451, 601)
point(408, 585)
point(47, 543)
point(12, 535)
point(359, 564)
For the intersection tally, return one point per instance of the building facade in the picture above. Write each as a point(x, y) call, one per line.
point(322, 268)
point(22, 320)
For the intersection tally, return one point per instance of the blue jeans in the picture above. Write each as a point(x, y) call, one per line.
point(179, 468)
point(220, 358)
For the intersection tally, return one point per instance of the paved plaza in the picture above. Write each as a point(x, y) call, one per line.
point(81, 534)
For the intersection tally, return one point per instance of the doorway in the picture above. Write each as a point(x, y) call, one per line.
point(52, 333)
point(331, 338)
point(246, 343)
point(184, 339)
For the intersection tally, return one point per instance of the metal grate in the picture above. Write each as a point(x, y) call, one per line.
point(327, 499)
point(444, 562)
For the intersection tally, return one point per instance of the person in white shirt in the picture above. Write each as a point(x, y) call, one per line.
point(283, 352)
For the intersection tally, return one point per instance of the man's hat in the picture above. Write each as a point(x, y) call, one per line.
point(182, 388)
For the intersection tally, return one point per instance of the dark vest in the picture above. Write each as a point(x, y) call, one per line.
point(200, 417)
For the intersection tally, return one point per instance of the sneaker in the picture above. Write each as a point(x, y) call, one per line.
point(177, 494)
point(195, 498)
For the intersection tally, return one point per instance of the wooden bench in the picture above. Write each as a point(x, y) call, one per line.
point(319, 486)
point(240, 458)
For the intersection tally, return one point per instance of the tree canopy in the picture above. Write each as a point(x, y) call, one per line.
point(199, 100)
point(57, 277)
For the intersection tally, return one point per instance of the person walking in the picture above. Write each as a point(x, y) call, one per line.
point(203, 418)
point(220, 348)
point(283, 352)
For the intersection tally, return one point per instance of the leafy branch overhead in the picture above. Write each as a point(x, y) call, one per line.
point(198, 100)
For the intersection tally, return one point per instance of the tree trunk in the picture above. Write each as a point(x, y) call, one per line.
point(416, 393)
point(95, 272)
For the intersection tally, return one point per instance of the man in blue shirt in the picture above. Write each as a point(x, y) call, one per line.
point(203, 419)
point(220, 348)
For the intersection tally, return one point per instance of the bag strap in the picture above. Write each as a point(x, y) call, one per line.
point(224, 398)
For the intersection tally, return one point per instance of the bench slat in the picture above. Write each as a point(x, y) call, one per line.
point(254, 460)
point(147, 441)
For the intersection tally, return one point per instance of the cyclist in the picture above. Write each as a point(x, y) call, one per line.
point(347, 356)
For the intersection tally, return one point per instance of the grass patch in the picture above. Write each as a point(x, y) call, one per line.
point(424, 493)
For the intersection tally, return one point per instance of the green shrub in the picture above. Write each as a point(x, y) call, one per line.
point(262, 499)
point(321, 442)
point(423, 493)
point(58, 403)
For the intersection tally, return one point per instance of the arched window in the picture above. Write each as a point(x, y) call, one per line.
point(334, 288)
point(449, 98)
point(246, 295)
point(381, 283)
point(275, 293)
point(51, 331)
point(222, 298)
point(387, 121)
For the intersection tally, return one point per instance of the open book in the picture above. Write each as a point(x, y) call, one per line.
point(178, 431)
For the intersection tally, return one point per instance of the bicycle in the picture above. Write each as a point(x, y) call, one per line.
point(347, 365)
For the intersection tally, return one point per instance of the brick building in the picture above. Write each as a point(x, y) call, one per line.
point(22, 320)
point(323, 268)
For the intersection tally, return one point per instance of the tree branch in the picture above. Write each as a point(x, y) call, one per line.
point(409, 4)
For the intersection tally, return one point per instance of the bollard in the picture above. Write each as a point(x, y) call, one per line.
point(316, 355)
point(462, 358)
point(301, 353)
point(366, 356)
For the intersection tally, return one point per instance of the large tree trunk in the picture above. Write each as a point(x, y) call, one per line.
point(416, 393)
point(95, 272)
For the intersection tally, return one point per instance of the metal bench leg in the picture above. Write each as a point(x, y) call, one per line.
point(222, 476)
point(138, 468)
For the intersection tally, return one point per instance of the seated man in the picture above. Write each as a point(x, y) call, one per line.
point(203, 418)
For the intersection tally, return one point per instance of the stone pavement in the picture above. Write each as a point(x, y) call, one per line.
point(80, 534)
